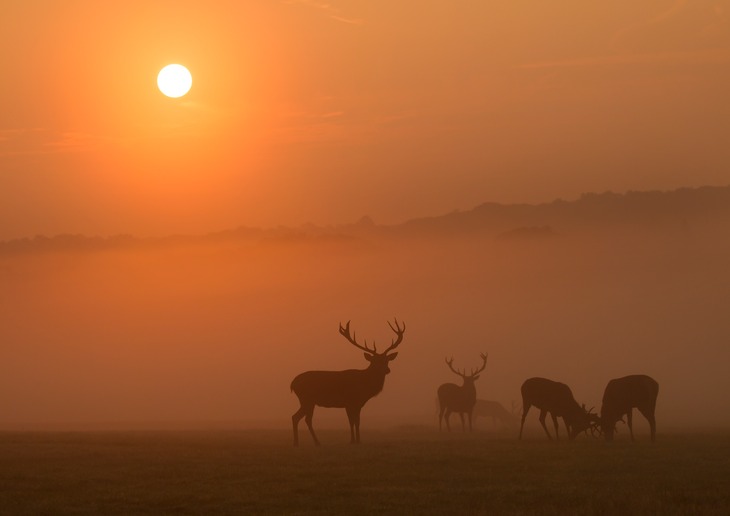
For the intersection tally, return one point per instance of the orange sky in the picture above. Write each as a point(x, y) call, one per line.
point(326, 111)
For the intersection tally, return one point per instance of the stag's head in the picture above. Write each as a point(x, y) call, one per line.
point(608, 427)
point(378, 361)
point(469, 379)
point(583, 421)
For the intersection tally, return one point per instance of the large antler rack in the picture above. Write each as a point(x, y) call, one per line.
point(463, 374)
point(450, 363)
point(484, 364)
point(399, 335)
point(352, 339)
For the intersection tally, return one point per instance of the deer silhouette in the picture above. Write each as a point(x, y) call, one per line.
point(495, 410)
point(349, 389)
point(557, 399)
point(459, 398)
point(621, 396)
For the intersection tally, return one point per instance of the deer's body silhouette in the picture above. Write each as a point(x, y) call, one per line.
point(495, 410)
point(621, 396)
point(557, 399)
point(349, 389)
point(459, 398)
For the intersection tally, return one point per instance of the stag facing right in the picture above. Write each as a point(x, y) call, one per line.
point(557, 399)
point(349, 389)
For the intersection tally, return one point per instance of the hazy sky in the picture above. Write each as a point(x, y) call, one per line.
point(327, 111)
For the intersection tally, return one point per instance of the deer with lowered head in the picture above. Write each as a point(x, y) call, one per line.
point(459, 398)
point(349, 389)
point(621, 396)
point(557, 399)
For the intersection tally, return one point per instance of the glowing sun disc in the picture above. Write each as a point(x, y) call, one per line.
point(174, 80)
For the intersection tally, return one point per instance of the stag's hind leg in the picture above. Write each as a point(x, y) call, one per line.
point(525, 410)
point(543, 415)
point(298, 415)
point(306, 411)
point(648, 413)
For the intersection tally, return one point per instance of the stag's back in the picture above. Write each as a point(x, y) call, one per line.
point(458, 398)
point(337, 388)
point(555, 397)
point(622, 394)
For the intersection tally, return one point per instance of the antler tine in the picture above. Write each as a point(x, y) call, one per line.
point(345, 332)
point(399, 335)
point(451, 366)
point(483, 366)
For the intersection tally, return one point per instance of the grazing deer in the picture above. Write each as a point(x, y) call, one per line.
point(349, 389)
point(460, 399)
point(556, 398)
point(621, 396)
point(495, 410)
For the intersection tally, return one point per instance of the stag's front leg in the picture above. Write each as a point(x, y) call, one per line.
point(461, 416)
point(555, 424)
point(630, 422)
point(543, 415)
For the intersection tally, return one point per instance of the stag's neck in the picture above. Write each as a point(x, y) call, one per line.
point(469, 390)
point(374, 378)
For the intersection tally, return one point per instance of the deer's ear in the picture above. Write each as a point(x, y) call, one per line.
point(477, 377)
point(391, 357)
point(368, 357)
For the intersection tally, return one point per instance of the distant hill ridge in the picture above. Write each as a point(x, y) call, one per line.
point(591, 211)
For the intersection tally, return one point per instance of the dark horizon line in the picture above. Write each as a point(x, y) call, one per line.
point(366, 220)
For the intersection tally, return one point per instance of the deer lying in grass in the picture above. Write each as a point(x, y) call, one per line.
point(349, 389)
point(557, 399)
point(459, 398)
point(621, 396)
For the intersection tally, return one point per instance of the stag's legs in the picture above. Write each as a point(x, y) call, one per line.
point(446, 419)
point(567, 428)
point(306, 412)
point(630, 422)
point(543, 415)
point(648, 413)
point(461, 416)
point(441, 415)
point(555, 424)
point(353, 415)
point(525, 410)
point(469, 416)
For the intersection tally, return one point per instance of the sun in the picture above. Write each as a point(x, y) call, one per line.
point(174, 80)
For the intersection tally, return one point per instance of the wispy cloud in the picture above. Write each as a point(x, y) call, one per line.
point(328, 10)
point(718, 56)
point(36, 141)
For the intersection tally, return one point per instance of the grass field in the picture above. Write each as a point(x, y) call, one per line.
point(407, 470)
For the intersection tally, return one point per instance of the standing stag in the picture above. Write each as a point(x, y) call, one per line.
point(622, 395)
point(556, 398)
point(459, 399)
point(349, 389)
